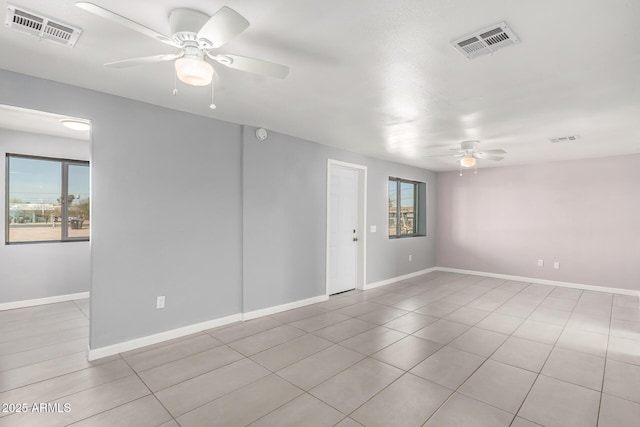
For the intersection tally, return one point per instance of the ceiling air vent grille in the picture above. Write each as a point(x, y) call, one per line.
point(485, 41)
point(41, 26)
point(565, 138)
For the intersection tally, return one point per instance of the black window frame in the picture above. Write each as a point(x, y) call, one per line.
point(417, 211)
point(64, 195)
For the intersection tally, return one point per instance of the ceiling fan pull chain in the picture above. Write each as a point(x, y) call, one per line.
point(175, 84)
point(212, 105)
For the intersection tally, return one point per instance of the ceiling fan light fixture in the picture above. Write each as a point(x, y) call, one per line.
point(194, 71)
point(468, 161)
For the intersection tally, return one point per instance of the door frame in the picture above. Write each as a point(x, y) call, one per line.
point(361, 264)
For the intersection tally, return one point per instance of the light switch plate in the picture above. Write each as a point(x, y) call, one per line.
point(373, 228)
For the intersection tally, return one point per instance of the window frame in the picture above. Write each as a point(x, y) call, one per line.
point(416, 207)
point(64, 194)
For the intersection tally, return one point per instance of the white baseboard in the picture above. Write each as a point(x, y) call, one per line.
point(284, 307)
point(42, 301)
point(110, 350)
point(99, 353)
point(506, 277)
point(542, 281)
point(398, 278)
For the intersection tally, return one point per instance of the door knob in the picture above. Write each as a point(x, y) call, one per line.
point(355, 239)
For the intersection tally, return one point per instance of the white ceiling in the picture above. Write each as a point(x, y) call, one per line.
point(41, 122)
point(380, 78)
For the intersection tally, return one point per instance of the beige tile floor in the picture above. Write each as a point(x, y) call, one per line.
point(441, 349)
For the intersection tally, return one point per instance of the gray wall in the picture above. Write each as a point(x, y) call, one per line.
point(388, 258)
point(166, 209)
point(40, 270)
point(168, 190)
point(167, 220)
point(285, 204)
point(582, 213)
point(284, 216)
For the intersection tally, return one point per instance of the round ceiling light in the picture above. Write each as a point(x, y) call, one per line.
point(75, 124)
point(468, 161)
point(194, 71)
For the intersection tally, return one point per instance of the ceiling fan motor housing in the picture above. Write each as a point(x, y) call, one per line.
point(469, 145)
point(185, 24)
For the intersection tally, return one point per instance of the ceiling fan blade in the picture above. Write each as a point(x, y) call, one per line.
point(498, 151)
point(447, 155)
point(224, 25)
point(144, 60)
point(253, 65)
point(484, 156)
point(126, 22)
point(217, 81)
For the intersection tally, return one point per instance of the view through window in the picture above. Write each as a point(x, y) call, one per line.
point(47, 199)
point(404, 210)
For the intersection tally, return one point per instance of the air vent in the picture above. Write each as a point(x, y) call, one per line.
point(485, 41)
point(565, 138)
point(41, 26)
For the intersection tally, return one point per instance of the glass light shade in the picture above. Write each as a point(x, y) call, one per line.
point(194, 71)
point(79, 125)
point(468, 162)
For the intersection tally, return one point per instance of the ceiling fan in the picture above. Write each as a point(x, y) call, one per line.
point(469, 153)
point(195, 34)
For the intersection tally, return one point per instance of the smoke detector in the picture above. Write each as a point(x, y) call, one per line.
point(41, 26)
point(485, 41)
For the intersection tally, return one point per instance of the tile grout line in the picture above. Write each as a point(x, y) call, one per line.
point(515, 415)
point(489, 357)
point(474, 371)
point(45, 360)
point(273, 373)
point(150, 391)
point(606, 358)
point(89, 388)
point(203, 373)
point(55, 376)
point(115, 407)
point(80, 308)
point(438, 291)
point(405, 372)
point(471, 374)
point(547, 359)
point(356, 362)
point(244, 357)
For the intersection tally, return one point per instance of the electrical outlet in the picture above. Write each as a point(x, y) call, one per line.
point(160, 302)
point(410, 257)
point(540, 263)
point(373, 228)
point(556, 265)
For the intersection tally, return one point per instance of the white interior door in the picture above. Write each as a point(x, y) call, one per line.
point(343, 229)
